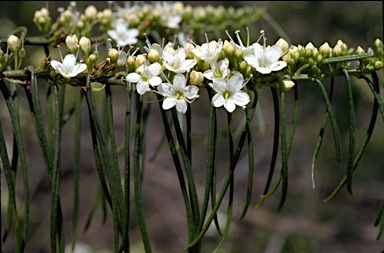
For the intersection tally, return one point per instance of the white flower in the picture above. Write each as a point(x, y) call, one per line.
point(169, 17)
point(209, 51)
point(68, 68)
point(178, 93)
point(265, 60)
point(245, 49)
point(229, 93)
point(149, 75)
point(218, 70)
point(122, 34)
point(177, 62)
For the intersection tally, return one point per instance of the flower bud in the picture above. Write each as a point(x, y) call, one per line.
point(228, 48)
point(90, 12)
point(130, 64)
point(178, 7)
point(188, 50)
point(324, 49)
point(359, 50)
point(13, 43)
point(287, 58)
point(378, 43)
point(85, 46)
point(378, 65)
point(288, 84)
point(113, 55)
point(22, 53)
point(196, 78)
point(140, 60)
point(72, 43)
point(283, 44)
point(153, 56)
point(336, 51)
point(171, 50)
point(309, 46)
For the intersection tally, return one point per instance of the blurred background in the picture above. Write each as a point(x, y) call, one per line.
point(305, 224)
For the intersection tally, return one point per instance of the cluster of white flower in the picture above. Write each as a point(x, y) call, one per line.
point(177, 76)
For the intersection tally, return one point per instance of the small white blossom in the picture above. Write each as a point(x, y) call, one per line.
point(149, 75)
point(265, 60)
point(209, 51)
point(169, 17)
point(229, 93)
point(218, 70)
point(177, 62)
point(122, 34)
point(68, 68)
point(178, 93)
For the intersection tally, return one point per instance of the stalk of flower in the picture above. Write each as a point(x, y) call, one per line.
point(178, 93)
point(229, 93)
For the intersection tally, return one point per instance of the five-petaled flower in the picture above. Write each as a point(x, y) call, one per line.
point(149, 75)
point(68, 68)
point(178, 93)
point(229, 93)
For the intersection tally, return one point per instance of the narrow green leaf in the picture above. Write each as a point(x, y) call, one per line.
point(12, 209)
point(366, 140)
point(275, 145)
point(336, 134)
point(352, 126)
point(321, 134)
point(12, 104)
point(138, 179)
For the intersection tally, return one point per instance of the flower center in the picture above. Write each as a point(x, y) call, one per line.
point(226, 94)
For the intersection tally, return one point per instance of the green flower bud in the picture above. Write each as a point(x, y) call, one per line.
point(22, 53)
point(359, 50)
point(229, 49)
point(196, 78)
point(378, 65)
point(13, 43)
point(378, 43)
point(113, 55)
point(130, 64)
point(153, 56)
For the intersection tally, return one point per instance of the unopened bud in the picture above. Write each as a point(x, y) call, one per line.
point(378, 65)
point(359, 50)
point(140, 60)
point(72, 43)
point(282, 44)
point(85, 45)
point(90, 12)
point(324, 49)
point(288, 85)
point(196, 78)
point(13, 43)
point(378, 43)
point(336, 51)
point(113, 55)
point(153, 56)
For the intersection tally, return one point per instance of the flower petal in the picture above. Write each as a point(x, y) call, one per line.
point(240, 98)
point(218, 100)
point(133, 77)
point(168, 103)
point(229, 105)
point(235, 83)
point(181, 106)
